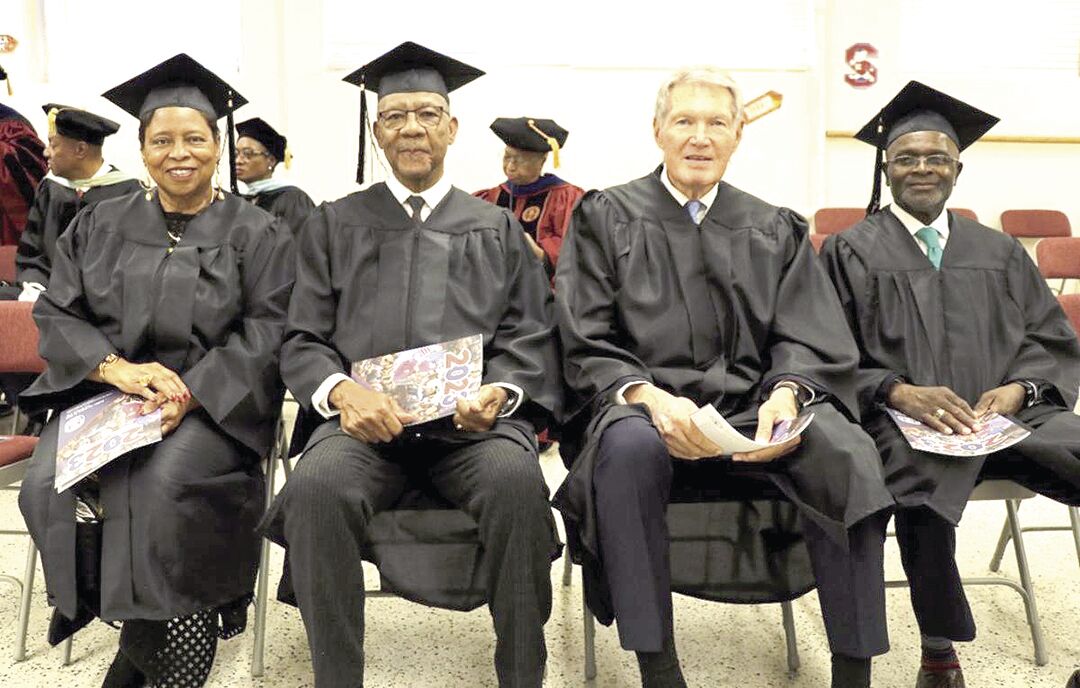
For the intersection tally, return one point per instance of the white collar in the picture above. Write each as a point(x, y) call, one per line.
point(912, 225)
point(432, 196)
point(64, 181)
point(681, 198)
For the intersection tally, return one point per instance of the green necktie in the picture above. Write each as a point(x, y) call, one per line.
point(929, 236)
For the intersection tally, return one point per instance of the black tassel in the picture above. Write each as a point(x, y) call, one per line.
point(879, 163)
point(363, 137)
point(232, 147)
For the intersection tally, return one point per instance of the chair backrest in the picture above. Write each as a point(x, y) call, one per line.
point(966, 212)
point(1035, 223)
point(834, 220)
point(7, 263)
point(817, 240)
point(19, 341)
point(1070, 303)
point(1058, 257)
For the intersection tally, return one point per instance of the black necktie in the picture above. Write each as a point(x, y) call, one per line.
point(416, 203)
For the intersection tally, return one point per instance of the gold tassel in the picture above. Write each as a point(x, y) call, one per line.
point(53, 112)
point(9, 91)
point(288, 157)
point(551, 142)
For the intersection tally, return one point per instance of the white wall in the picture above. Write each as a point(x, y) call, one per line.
point(593, 67)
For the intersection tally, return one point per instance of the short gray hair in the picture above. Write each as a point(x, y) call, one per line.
point(697, 75)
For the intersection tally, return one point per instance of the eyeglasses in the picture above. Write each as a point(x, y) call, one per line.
point(249, 153)
point(428, 116)
point(909, 162)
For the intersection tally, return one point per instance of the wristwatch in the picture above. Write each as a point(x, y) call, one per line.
point(804, 396)
point(1032, 392)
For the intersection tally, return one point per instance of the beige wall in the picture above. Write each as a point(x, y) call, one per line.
point(784, 158)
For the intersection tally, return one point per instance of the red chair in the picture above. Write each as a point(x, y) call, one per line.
point(817, 240)
point(835, 220)
point(965, 212)
point(18, 354)
point(1033, 224)
point(1059, 258)
point(1070, 303)
point(7, 263)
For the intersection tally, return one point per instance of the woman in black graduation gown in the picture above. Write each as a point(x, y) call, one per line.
point(177, 295)
point(259, 150)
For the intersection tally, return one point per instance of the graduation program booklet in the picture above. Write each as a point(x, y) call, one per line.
point(721, 433)
point(98, 430)
point(426, 381)
point(997, 433)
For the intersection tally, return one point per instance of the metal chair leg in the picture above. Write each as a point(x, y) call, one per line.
point(24, 602)
point(67, 649)
point(1025, 581)
point(999, 551)
point(1074, 517)
point(568, 567)
point(262, 591)
point(590, 640)
point(789, 634)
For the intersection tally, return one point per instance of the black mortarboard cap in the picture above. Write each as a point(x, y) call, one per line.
point(265, 134)
point(77, 124)
point(180, 81)
point(527, 133)
point(917, 107)
point(408, 68)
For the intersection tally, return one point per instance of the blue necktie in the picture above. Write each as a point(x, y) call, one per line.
point(929, 236)
point(694, 208)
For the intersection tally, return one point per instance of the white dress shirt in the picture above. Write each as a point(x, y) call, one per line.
point(939, 225)
point(432, 196)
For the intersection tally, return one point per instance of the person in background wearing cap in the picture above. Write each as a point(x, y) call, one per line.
point(259, 149)
point(78, 177)
point(953, 321)
point(177, 295)
point(22, 167)
point(542, 203)
point(410, 262)
point(677, 290)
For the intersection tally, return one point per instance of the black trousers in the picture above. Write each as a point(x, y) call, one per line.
point(633, 483)
point(341, 482)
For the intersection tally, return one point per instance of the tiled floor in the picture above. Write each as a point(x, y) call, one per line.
point(720, 645)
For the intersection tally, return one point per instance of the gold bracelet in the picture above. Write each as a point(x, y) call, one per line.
point(105, 363)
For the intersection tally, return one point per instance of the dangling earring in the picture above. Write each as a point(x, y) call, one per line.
point(220, 195)
point(149, 195)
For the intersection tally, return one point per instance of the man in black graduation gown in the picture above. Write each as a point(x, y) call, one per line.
point(677, 290)
point(405, 263)
point(79, 177)
point(953, 321)
point(259, 149)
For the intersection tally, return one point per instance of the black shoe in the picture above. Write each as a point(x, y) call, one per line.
point(1074, 682)
point(61, 628)
point(123, 673)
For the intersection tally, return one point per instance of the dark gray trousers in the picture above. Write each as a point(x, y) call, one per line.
point(633, 484)
point(341, 482)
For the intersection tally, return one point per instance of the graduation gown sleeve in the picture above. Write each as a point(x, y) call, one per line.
point(292, 205)
point(808, 340)
point(849, 275)
point(596, 357)
point(308, 354)
point(32, 261)
point(237, 382)
point(70, 336)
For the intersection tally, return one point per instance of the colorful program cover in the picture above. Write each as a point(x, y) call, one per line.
point(429, 380)
point(98, 430)
point(724, 435)
point(997, 433)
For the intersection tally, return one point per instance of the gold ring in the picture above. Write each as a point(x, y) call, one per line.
point(940, 413)
point(458, 426)
point(146, 380)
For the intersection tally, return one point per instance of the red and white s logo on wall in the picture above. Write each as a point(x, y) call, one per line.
point(863, 72)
